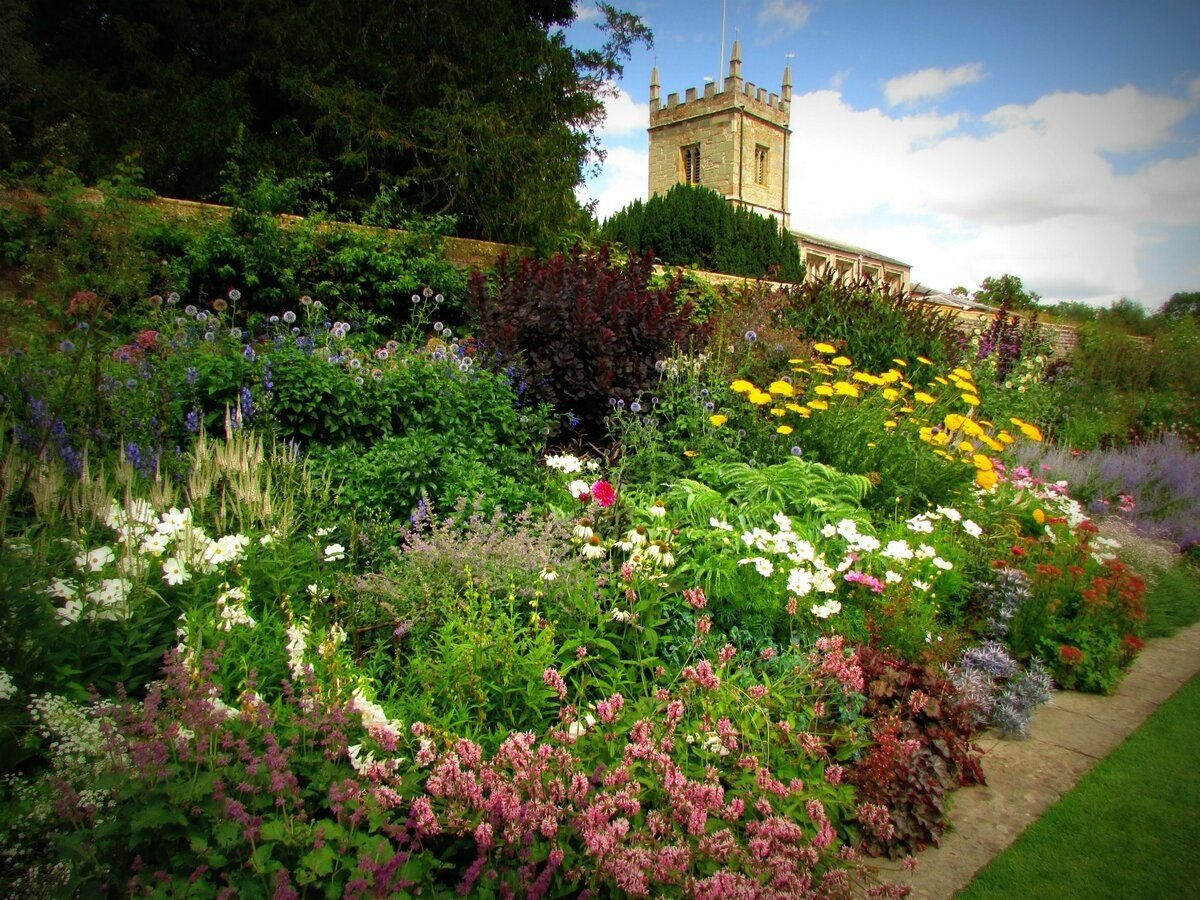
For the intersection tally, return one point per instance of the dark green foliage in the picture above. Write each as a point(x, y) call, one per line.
point(1182, 303)
point(872, 325)
point(1127, 315)
point(922, 730)
point(474, 107)
point(113, 243)
point(695, 226)
point(1007, 290)
point(584, 328)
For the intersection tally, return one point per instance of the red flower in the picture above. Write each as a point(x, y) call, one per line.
point(1018, 551)
point(603, 493)
point(1071, 656)
point(1133, 643)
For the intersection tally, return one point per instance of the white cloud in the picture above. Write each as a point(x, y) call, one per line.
point(586, 12)
point(625, 178)
point(786, 16)
point(838, 79)
point(622, 114)
point(930, 83)
point(1032, 194)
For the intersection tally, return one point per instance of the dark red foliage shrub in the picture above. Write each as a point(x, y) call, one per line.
point(922, 749)
point(583, 328)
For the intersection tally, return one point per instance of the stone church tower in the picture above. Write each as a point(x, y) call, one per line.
point(734, 140)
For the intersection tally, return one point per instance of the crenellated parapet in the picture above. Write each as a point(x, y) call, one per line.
point(735, 92)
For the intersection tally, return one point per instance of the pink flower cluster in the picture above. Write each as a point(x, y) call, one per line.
point(835, 661)
point(866, 580)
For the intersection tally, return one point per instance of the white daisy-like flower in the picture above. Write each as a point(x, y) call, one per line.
point(826, 609)
point(155, 543)
point(898, 550)
point(334, 552)
point(971, 528)
point(892, 577)
point(944, 564)
point(174, 571)
point(94, 560)
point(950, 513)
point(801, 582)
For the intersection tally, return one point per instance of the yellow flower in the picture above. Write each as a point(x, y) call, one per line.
point(758, 398)
point(691, 453)
point(926, 434)
point(906, 409)
point(1039, 516)
point(928, 362)
point(872, 444)
point(825, 348)
point(940, 380)
point(970, 399)
point(784, 429)
point(818, 404)
point(867, 378)
point(891, 394)
point(891, 376)
point(966, 446)
point(779, 412)
point(890, 423)
point(782, 388)
point(841, 360)
point(954, 421)
point(845, 388)
point(901, 363)
point(741, 386)
point(964, 373)
point(924, 397)
point(1006, 437)
point(982, 462)
point(797, 362)
point(1032, 432)
point(992, 442)
point(944, 454)
point(971, 428)
point(986, 479)
point(796, 408)
point(824, 390)
point(718, 419)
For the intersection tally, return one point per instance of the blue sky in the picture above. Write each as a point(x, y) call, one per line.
point(1056, 141)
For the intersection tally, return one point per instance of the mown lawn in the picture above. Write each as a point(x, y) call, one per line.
point(1129, 830)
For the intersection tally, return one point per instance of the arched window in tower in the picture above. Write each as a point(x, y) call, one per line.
point(690, 157)
point(761, 164)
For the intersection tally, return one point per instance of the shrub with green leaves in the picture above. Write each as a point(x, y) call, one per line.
point(695, 226)
point(584, 329)
point(873, 324)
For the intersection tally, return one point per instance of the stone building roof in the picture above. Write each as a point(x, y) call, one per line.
point(818, 240)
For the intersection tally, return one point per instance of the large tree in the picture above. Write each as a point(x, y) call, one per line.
point(476, 108)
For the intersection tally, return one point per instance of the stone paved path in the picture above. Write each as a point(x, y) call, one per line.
point(1068, 736)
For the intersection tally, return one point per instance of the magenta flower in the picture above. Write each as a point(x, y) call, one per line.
point(603, 493)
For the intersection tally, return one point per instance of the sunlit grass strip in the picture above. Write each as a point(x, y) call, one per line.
point(1129, 829)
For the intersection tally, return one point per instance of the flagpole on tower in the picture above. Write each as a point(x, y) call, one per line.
point(721, 61)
